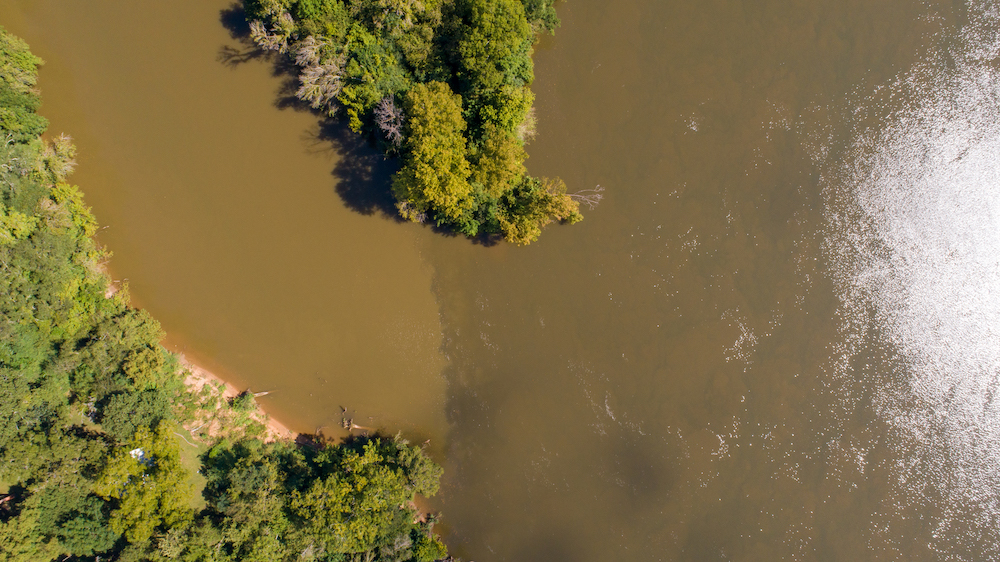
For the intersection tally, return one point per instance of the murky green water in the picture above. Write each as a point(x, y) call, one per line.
point(709, 367)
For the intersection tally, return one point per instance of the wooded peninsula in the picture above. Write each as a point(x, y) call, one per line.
point(442, 84)
point(106, 454)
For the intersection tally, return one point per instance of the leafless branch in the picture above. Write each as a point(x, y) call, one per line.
point(390, 120)
point(588, 197)
point(267, 40)
point(308, 51)
point(321, 83)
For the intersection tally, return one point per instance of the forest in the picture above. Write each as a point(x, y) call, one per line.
point(106, 454)
point(444, 85)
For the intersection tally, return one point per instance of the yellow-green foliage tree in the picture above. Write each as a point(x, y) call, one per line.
point(494, 47)
point(534, 204)
point(21, 541)
point(342, 511)
point(435, 174)
point(148, 484)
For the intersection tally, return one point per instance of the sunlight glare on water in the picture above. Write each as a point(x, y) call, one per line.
point(914, 243)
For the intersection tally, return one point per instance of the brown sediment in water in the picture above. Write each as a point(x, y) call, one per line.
point(184, 236)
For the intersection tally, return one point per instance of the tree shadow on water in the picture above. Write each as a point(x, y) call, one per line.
point(363, 173)
point(233, 57)
point(234, 20)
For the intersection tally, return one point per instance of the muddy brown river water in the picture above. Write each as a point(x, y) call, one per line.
point(777, 338)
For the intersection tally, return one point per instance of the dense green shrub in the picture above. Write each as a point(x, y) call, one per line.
point(126, 412)
point(277, 501)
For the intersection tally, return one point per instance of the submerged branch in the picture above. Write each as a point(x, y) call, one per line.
point(588, 197)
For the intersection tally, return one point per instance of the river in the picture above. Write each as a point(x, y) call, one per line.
point(775, 339)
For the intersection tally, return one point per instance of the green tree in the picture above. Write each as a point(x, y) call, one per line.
point(505, 108)
point(373, 71)
point(21, 541)
point(252, 502)
point(323, 17)
point(541, 14)
point(359, 506)
point(18, 100)
point(15, 226)
point(75, 519)
point(18, 67)
point(201, 541)
point(499, 164)
point(534, 204)
point(463, 161)
point(69, 353)
point(127, 412)
point(147, 367)
point(495, 45)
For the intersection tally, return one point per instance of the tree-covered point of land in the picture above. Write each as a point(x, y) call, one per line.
point(95, 460)
point(445, 85)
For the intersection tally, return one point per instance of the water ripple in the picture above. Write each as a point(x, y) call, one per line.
point(914, 245)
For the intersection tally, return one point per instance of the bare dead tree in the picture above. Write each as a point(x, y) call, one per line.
point(60, 156)
point(321, 83)
point(308, 51)
point(527, 129)
point(266, 39)
point(411, 212)
point(390, 120)
point(588, 197)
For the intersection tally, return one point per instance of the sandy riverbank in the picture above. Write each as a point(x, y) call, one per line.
point(198, 377)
